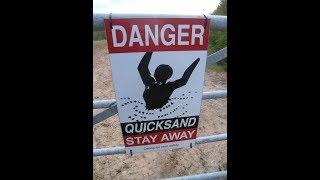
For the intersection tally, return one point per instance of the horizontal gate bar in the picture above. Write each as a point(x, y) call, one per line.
point(112, 106)
point(121, 150)
point(98, 104)
point(212, 138)
point(112, 110)
point(214, 94)
point(217, 56)
point(218, 23)
point(206, 176)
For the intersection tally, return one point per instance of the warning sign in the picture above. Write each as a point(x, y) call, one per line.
point(158, 69)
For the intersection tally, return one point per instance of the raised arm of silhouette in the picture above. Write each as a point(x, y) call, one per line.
point(186, 75)
point(143, 69)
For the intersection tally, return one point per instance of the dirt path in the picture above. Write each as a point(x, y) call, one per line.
point(201, 159)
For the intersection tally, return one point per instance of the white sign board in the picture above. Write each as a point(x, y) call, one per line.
point(158, 67)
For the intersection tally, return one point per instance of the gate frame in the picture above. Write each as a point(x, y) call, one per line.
point(217, 23)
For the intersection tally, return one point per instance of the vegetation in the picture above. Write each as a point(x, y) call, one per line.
point(99, 35)
point(218, 40)
point(221, 9)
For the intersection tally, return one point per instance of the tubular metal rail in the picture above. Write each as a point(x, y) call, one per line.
point(111, 105)
point(121, 150)
point(218, 23)
point(207, 176)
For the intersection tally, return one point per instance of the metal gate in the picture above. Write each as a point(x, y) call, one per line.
point(218, 23)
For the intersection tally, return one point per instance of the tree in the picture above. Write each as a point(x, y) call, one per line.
point(221, 9)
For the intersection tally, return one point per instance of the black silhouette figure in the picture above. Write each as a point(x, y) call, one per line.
point(157, 90)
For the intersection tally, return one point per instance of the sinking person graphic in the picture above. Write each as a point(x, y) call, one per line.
point(157, 90)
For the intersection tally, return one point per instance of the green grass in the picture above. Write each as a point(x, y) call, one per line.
point(217, 41)
point(99, 35)
point(219, 67)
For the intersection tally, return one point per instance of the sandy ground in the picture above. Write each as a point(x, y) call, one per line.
point(203, 158)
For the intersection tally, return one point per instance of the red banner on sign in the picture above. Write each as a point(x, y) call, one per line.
point(160, 137)
point(163, 34)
